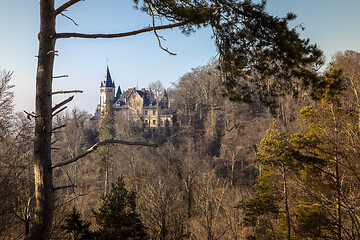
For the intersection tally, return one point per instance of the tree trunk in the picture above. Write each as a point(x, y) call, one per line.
point(44, 193)
point(287, 211)
point(338, 200)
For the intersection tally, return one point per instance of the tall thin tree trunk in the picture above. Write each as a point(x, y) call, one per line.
point(106, 177)
point(338, 200)
point(337, 177)
point(42, 143)
point(287, 211)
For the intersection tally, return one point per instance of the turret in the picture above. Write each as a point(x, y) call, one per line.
point(118, 93)
point(107, 89)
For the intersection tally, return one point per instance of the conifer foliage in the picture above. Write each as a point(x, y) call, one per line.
point(75, 227)
point(117, 217)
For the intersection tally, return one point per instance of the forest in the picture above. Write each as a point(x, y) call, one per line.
point(281, 169)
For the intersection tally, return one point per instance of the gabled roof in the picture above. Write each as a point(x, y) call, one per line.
point(144, 94)
point(107, 79)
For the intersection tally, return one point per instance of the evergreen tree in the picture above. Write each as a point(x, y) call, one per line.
point(331, 181)
point(75, 227)
point(117, 217)
point(276, 161)
point(247, 38)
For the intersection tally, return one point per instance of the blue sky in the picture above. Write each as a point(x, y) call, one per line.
point(137, 60)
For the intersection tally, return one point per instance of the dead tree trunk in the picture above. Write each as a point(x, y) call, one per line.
point(44, 190)
point(44, 194)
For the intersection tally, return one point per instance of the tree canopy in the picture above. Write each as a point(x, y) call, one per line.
point(252, 44)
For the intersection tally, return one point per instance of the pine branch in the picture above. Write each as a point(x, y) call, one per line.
point(118, 35)
point(65, 6)
point(70, 19)
point(154, 29)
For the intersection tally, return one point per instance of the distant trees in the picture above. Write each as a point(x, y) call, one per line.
point(321, 168)
point(6, 103)
point(247, 38)
point(16, 190)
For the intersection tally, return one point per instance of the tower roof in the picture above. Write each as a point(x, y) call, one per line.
point(107, 79)
point(118, 92)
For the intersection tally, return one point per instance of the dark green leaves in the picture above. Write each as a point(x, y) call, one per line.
point(260, 55)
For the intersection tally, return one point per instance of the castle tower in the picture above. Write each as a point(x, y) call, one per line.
point(107, 89)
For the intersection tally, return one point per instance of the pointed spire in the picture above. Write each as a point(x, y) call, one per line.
point(107, 79)
point(118, 92)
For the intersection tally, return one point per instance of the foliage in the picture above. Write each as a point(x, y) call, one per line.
point(249, 40)
point(329, 87)
point(247, 37)
point(75, 227)
point(276, 159)
point(309, 220)
point(117, 217)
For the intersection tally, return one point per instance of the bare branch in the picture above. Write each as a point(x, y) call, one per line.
point(29, 115)
point(70, 200)
point(59, 111)
point(64, 187)
point(55, 128)
point(99, 144)
point(62, 76)
point(53, 142)
point(16, 215)
point(54, 52)
point(64, 92)
point(57, 106)
point(65, 6)
point(67, 174)
point(154, 29)
point(118, 35)
point(70, 19)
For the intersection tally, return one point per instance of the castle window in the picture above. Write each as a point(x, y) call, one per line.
point(154, 112)
point(146, 112)
point(146, 121)
point(154, 122)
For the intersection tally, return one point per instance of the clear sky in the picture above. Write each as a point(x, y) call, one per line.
point(137, 60)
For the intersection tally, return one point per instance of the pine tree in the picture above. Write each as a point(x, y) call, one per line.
point(276, 158)
point(75, 227)
point(117, 217)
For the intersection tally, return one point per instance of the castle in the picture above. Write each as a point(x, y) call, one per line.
point(134, 105)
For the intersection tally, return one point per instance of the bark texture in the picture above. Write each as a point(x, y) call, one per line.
point(44, 192)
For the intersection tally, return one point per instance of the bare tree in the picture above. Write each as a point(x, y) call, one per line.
point(156, 88)
point(185, 14)
point(6, 102)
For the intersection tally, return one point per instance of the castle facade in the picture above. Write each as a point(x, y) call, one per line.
point(134, 104)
